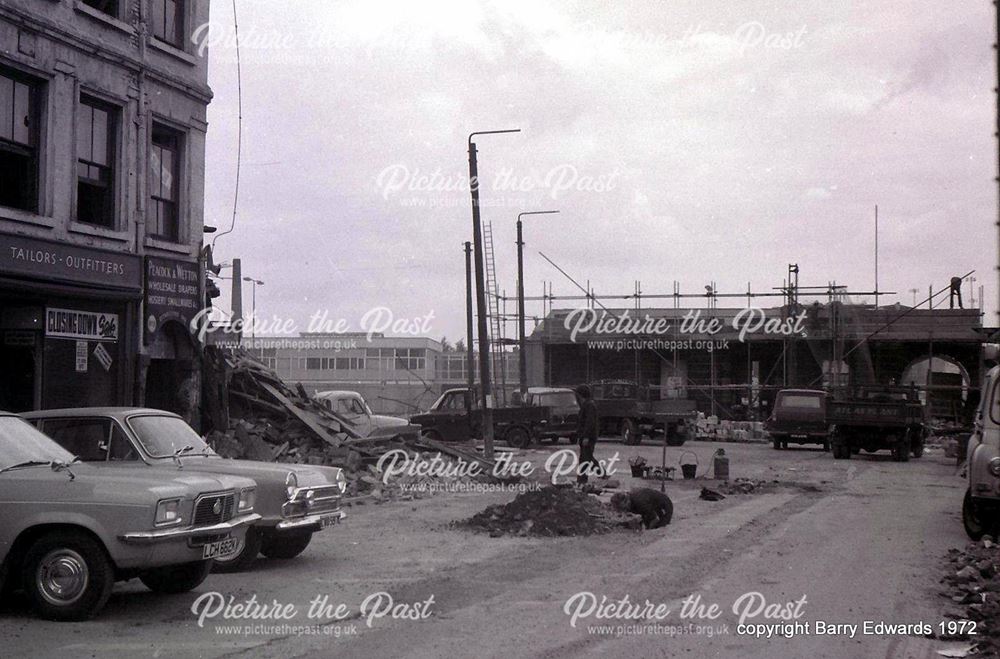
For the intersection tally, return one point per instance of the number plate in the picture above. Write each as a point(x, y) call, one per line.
point(329, 520)
point(220, 549)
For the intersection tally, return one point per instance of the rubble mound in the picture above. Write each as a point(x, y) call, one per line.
point(973, 585)
point(551, 511)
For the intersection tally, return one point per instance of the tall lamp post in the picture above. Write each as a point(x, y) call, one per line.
point(485, 394)
point(253, 307)
point(522, 361)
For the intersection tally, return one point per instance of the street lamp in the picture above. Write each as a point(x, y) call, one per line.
point(253, 307)
point(485, 395)
point(522, 359)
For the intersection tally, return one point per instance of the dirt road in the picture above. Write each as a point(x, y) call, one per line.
point(837, 543)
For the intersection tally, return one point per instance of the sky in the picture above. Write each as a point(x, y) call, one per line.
point(692, 141)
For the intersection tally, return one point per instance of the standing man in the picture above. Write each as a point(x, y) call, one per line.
point(586, 433)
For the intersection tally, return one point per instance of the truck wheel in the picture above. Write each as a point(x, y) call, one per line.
point(245, 556)
point(630, 433)
point(826, 446)
point(518, 437)
point(975, 526)
point(284, 546)
point(918, 450)
point(175, 579)
point(67, 576)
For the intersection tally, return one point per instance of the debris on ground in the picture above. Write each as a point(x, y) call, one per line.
point(711, 495)
point(255, 415)
point(973, 586)
point(551, 511)
point(748, 486)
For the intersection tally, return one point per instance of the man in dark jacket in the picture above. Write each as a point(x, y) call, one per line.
point(656, 508)
point(586, 432)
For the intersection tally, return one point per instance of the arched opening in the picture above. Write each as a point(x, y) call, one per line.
point(948, 383)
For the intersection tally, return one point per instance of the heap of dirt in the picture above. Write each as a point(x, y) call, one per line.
point(973, 585)
point(551, 511)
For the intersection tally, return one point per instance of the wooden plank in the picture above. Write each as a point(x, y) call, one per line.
point(304, 417)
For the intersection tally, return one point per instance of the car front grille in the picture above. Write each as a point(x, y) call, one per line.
point(206, 505)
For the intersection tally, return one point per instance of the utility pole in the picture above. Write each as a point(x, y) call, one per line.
point(876, 256)
point(522, 357)
point(485, 393)
point(469, 336)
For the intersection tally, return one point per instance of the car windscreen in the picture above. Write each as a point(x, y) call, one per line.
point(557, 399)
point(799, 401)
point(21, 442)
point(163, 436)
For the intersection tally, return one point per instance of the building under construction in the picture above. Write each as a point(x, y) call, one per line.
point(733, 360)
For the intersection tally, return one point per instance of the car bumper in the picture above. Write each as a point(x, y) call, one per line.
point(315, 522)
point(184, 533)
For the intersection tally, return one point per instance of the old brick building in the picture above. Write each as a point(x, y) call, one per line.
point(102, 147)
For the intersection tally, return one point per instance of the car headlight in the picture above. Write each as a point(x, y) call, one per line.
point(995, 467)
point(291, 484)
point(341, 482)
point(248, 498)
point(168, 512)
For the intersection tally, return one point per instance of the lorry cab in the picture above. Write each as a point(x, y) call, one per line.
point(981, 504)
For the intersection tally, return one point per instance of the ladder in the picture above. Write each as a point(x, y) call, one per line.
point(498, 364)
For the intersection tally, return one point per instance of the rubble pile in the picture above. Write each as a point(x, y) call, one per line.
point(973, 585)
point(551, 511)
point(257, 416)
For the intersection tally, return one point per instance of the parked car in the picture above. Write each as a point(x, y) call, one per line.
point(353, 408)
point(564, 410)
point(981, 504)
point(294, 501)
point(799, 417)
point(69, 531)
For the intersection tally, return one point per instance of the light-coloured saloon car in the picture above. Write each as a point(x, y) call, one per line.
point(68, 530)
point(294, 501)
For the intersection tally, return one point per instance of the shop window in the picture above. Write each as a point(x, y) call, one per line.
point(19, 119)
point(168, 21)
point(109, 7)
point(95, 152)
point(164, 210)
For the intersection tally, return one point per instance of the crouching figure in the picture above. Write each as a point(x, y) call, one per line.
point(655, 508)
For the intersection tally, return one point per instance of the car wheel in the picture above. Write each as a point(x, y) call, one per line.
point(67, 576)
point(518, 437)
point(175, 579)
point(245, 556)
point(826, 447)
point(918, 450)
point(630, 434)
point(284, 546)
point(975, 525)
point(432, 435)
point(777, 444)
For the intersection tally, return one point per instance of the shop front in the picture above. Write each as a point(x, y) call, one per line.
point(170, 370)
point(68, 325)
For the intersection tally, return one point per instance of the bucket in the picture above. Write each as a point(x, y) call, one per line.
point(689, 470)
